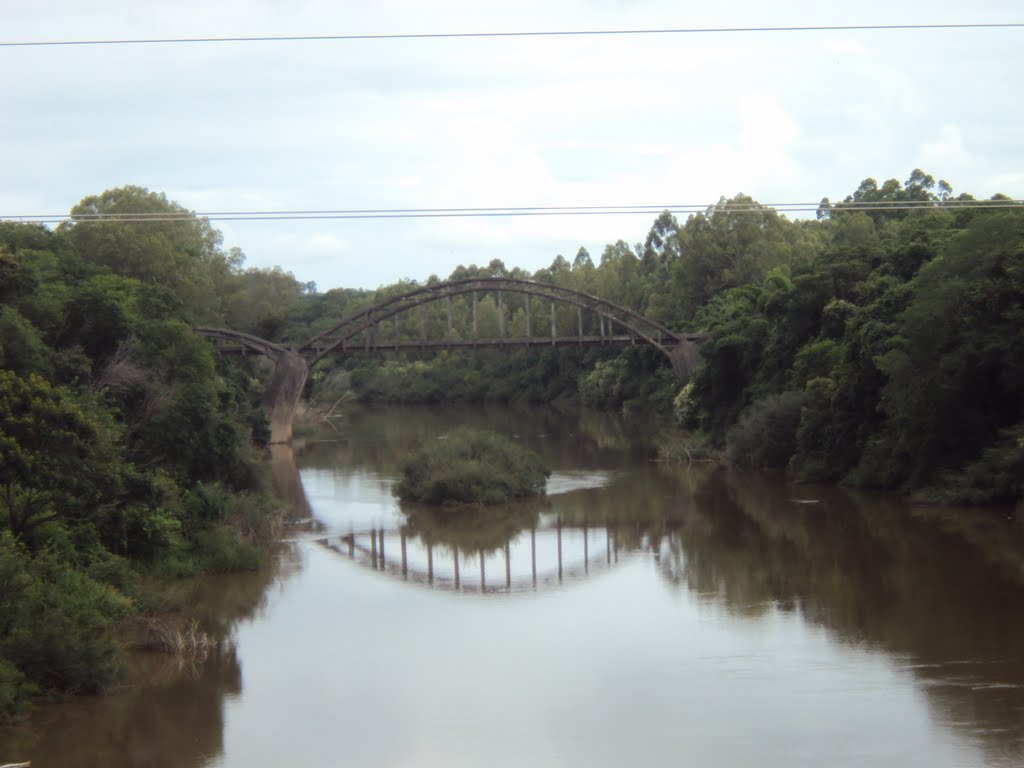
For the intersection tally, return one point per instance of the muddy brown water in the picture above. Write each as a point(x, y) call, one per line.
point(640, 614)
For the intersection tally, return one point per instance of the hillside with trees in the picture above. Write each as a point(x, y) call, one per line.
point(127, 454)
point(880, 344)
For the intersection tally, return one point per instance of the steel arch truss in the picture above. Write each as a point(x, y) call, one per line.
point(244, 341)
point(340, 335)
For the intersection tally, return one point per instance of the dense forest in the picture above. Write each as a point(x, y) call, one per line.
point(880, 344)
point(127, 456)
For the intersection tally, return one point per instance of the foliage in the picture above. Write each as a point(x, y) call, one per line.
point(124, 449)
point(55, 625)
point(876, 347)
point(765, 435)
point(469, 466)
point(470, 528)
point(996, 476)
point(57, 458)
point(900, 339)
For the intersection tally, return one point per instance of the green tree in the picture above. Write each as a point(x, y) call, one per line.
point(726, 248)
point(955, 370)
point(58, 458)
point(141, 234)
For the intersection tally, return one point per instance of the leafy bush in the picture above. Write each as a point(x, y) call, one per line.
point(469, 466)
point(15, 691)
point(55, 626)
point(765, 435)
point(997, 476)
point(471, 528)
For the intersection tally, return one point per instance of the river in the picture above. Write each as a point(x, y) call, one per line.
point(640, 614)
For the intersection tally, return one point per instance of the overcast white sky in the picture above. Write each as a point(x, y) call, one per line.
point(630, 120)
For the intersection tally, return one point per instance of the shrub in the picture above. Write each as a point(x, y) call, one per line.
point(471, 527)
point(15, 691)
point(469, 466)
point(55, 626)
point(997, 476)
point(765, 435)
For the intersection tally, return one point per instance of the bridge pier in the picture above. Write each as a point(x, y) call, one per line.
point(283, 392)
point(685, 357)
point(293, 363)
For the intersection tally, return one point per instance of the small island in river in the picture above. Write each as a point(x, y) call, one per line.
point(469, 466)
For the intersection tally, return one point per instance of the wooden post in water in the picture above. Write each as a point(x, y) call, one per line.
point(483, 583)
point(373, 548)
point(405, 559)
point(508, 568)
point(381, 549)
point(533, 555)
point(558, 528)
point(430, 563)
point(456, 556)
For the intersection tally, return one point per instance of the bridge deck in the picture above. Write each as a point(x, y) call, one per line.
point(408, 345)
point(618, 340)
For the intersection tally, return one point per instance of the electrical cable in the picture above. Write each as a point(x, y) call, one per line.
point(507, 212)
point(522, 34)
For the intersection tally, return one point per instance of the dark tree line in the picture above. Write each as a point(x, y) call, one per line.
point(879, 347)
point(879, 344)
point(125, 451)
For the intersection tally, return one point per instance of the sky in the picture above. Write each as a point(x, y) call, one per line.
point(654, 120)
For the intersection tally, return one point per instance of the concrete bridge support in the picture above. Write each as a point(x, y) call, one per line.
point(293, 363)
point(685, 357)
point(282, 395)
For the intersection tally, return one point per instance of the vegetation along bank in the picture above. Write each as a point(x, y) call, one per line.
point(880, 344)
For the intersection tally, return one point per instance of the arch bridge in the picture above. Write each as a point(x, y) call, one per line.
point(548, 555)
point(368, 331)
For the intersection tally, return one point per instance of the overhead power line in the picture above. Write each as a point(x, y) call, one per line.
point(535, 33)
point(506, 212)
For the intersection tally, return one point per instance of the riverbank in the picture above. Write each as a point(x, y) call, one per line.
point(68, 625)
point(686, 589)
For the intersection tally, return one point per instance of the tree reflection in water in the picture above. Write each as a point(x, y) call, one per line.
point(936, 593)
point(941, 600)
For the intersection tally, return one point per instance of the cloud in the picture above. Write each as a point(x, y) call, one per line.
point(600, 120)
point(947, 151)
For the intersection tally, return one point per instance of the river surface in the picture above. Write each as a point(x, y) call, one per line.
point(641, 614)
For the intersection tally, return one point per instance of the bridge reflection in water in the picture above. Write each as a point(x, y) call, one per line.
point(548, 555)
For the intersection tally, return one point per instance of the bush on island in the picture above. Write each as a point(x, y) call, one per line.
point(469, 466)
point(471, 528)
